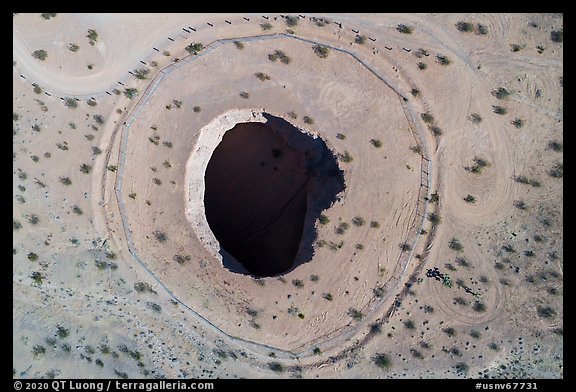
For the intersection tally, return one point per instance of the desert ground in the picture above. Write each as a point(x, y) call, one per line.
point(442, 257)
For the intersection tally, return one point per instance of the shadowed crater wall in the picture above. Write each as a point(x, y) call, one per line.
point(265, 186)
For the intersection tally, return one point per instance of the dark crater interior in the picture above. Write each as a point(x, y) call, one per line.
point(265, 186)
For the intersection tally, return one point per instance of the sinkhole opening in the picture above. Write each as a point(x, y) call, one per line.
point(266, 184)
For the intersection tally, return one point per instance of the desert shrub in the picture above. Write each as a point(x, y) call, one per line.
point(427, 117)
point(479, 164)
point(460, 301)
point(422, 66)
point(404, 29)
point(321, 51)
point(141, 287)
point(238, 45)
point(470, 199)
point(465, 27)
point(40, 54)
point(73, 47)
point(555, 145)
point(37, 277)
point(276, 367)
point(479, 306)
point(520, 204)
point(434, 217)
point(409, 324)
point(455, 244)
point(376, 143)
point(32, 256)
point(77, 210)
point(382, 361)
point(327, 296)
point(323, 219)
point(449, 331)
point(65, 180)
point(279, 55)
point(436, 130)
point(96, 151)
point(516, 47)
point(518, 122)
point(262, 76)
point(481, 29)
point(355, 314)
point(265, 26)
point(130, 93)
point(358, 221)
point(556, 171)
point(546, 312)
point(501, 93)
point(154, 306)
point(85, 168)
point(442, 59)
point(359, 246)
point(374, 224)
point(298, 283)
point(92, 36)
point(360, 39)
point(415, 92)
point(475, 118)
point(160, 236)
point(71, 102)
point(557, 35)
point(291, 20)
point(346, 157)
point(244, 94)
point(308, 120)
point(142, 73)
point(194, 47)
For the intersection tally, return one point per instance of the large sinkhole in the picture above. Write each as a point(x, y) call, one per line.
point(265, 186)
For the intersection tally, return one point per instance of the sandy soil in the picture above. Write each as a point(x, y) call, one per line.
point(115, 271)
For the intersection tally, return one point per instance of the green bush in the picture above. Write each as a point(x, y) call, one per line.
point(382, 361)
point(404, 29)
point(40, 54)
point(194, 48)
point(321, 51)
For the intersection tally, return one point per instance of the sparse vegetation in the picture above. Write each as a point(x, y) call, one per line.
point(518, 122)
point(142, 73)
point(376, 143)
point(92, 36)
point(276, 367)
point(321, 51)
point(65, 180)
point(442, 59)
point(73, 47)
point(517, 47)
point(422, 66)
point(546, 312)
point(557, 36)
point(475, 118)
point(465, 27)
point(40, 54)
point(346, 157)
point(404, 29)
point(355, 314)
point(327, 296)
point(279, 55)
point(160, 236)
point(323, 219)
point(358, 221)
point(556, 171)
point(239, 45)
point(470, 199)
point(194, 47)
point(360, 39)
point(265, 26)
point(130, 93)
point(449, 331)
point(308, 120)
point(291, 20)
point(479, 306)
point(479, 164)
point(262, 76)
point(382, 361)
point(85, 168)
point(244, 94)
point(455, 244)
